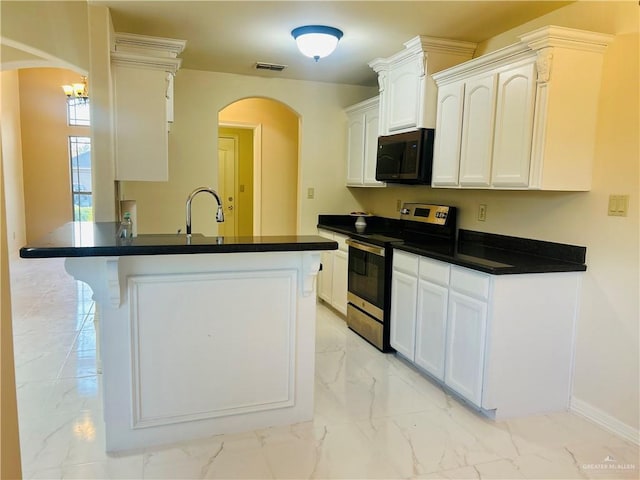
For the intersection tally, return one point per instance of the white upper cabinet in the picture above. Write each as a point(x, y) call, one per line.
point(407, 91)
point(514, 127)
point(447, 141)
point(526, 114)
point(477, 131)
point(405, 83)
point(143, 69)
point(362, 144)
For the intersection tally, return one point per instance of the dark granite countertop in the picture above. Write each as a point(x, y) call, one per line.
point(485, 252)
point(88, 239)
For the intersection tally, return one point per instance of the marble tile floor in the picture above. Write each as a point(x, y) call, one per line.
point(375, 416)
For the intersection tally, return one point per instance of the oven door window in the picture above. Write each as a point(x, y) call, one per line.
point(366, 276)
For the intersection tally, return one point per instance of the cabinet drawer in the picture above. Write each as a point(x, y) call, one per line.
point(434, 271)
point(405, 262)
point(472, 283)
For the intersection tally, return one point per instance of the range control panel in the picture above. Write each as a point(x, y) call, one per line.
point(422, 212)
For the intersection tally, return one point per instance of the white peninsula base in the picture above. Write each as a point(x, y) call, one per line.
point(203, 344)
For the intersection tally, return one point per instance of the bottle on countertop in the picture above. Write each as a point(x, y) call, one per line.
point(125, 231)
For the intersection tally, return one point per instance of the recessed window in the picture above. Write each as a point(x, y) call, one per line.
point(78, 111)
point(80, 157)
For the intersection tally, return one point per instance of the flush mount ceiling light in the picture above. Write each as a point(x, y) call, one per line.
point(77, 90)
point(316, 41)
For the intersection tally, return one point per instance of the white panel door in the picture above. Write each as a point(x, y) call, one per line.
point(227, 181)
point(340, 280)
point(371, 127)
point(446, 156)
point(477, 131)
point(356, 149)
point(404, 290)
point(431, 327)
point(404, 95)
point(466, 335)
point(514, 127)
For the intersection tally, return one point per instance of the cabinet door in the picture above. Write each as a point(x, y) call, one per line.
point(404, 290)
point(325, 277)
point(477, 131)
point(446, 156)
point(403, 94)
point(340, 280)
point(431, 322)
point(514, 127)
point(356, 149)
point(141, 139)
point(371, 123)
point(466, 335)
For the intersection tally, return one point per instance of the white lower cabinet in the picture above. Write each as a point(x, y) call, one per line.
point(466, 337)
point(403, 309)
point(504, 343)
point(339, 285)
point(431, 327)
point(419, 310)
point(333, 278)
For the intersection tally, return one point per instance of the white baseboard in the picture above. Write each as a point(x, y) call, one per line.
point(605, 420)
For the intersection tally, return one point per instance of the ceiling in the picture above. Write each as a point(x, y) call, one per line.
point(231, 36)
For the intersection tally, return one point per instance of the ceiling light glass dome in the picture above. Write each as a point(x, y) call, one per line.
point(316, 41)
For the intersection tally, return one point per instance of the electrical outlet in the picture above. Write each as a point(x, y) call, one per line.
point(482, 212)
point(311, 192)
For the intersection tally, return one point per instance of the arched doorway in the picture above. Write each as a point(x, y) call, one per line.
point(261, 175)
point(12, 221)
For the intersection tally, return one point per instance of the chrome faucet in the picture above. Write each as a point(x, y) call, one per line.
point(219, 213)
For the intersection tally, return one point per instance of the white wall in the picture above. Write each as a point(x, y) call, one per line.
point(57, 31)
point(606, 382)
point(199, 96)
point(101, 93)
point(12, 160)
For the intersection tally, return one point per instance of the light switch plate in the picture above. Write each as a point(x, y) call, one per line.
point(618, 205)
point(311, 192)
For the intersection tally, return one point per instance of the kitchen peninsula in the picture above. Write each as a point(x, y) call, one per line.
point(198, 336)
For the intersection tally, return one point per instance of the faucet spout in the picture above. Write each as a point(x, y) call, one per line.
point(219, 212)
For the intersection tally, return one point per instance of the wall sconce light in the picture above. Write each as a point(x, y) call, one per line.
point(77, 90)
point(316, 41)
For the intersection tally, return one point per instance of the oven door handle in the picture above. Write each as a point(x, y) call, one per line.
point(365, 247)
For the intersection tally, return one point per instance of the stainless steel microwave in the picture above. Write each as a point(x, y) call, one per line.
point(406, 157)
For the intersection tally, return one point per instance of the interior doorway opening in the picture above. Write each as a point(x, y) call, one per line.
point(258, 145)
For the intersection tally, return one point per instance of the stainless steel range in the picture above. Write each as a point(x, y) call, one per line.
point(370, 264)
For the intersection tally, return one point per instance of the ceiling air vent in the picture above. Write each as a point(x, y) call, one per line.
point(274, 67)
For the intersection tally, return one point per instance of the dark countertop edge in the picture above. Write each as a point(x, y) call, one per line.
point(560, 252)
point(549, 266)
point(122, 251)
point(546, 265)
